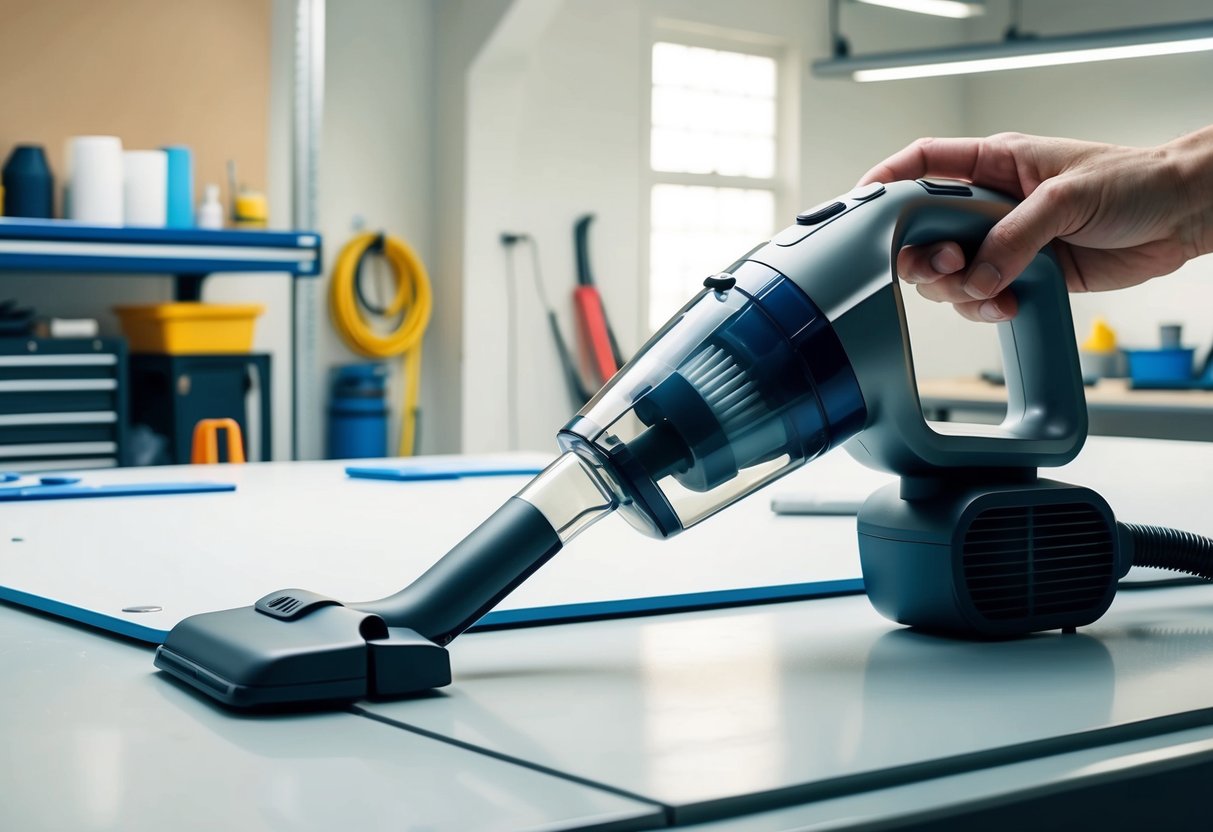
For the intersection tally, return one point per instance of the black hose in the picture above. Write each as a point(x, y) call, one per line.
point(1164, 548)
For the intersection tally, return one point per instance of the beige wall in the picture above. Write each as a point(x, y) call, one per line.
point(153, 72)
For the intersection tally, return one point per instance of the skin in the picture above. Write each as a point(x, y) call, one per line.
point(1117, 216)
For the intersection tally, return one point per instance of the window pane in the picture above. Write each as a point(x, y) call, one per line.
point(697, 231)
point(760, 158)
point(713, 111)
point(760, 76)
point(669, 64)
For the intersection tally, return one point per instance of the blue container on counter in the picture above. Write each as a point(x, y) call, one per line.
point(358, 412)
point(29, 188)
point(179, 205)
point(1165, 365)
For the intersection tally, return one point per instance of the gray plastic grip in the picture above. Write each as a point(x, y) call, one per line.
point(848, 267)
point(1039, 351)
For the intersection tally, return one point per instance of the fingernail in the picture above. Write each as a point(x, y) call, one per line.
point(946, 261)
point(982, 281)
point(990, 311)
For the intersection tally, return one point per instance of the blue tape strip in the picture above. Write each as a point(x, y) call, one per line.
point(83, 616)
point(419, 473)
point(685, 602)
point(29, 493)
point(589, 611)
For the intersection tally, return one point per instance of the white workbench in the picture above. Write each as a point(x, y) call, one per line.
point(813, 714)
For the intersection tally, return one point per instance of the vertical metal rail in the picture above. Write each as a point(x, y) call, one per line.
point(308, 111)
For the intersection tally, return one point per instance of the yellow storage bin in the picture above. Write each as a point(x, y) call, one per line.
point(179, 328)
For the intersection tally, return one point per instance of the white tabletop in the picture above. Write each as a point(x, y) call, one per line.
point(735, 711)
point(95, 739)
point(705, 716)
point(308, 525)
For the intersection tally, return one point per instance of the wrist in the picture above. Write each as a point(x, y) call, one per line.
point(1193, 158)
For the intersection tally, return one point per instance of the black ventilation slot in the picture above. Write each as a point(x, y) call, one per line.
point(1031, 561)
point(284, 604)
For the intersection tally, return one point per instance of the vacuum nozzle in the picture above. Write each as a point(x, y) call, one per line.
point(294, 646)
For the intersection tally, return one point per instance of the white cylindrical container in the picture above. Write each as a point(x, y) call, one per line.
point(94, 189)
point(145, 187)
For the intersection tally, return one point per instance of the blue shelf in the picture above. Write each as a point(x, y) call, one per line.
point(64, 246)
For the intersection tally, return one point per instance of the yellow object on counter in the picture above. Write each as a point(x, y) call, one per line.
point(192, 327)
point(251, 210)
point(1102, 337)
point(413, 301)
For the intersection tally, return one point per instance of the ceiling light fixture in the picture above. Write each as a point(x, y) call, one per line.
point(1016, 51)
point(956, 9)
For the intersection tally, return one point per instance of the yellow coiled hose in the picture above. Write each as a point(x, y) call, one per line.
point(413, 302)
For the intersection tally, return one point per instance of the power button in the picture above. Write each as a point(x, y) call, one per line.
point(820, 213)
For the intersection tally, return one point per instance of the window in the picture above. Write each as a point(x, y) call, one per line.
point(713, 156)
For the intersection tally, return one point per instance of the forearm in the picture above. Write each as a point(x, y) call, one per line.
point(1193, 157)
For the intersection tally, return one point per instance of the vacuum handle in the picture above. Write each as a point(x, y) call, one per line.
point(474, 577)
point(1039, 350)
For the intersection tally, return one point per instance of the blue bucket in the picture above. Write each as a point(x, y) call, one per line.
point(1160, 365)
point(358, 413)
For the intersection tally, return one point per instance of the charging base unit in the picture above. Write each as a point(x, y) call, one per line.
point(989, 560)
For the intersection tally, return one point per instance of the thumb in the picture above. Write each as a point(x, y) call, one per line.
point(1046, 214)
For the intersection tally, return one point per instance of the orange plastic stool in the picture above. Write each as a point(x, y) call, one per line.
point(205, 449)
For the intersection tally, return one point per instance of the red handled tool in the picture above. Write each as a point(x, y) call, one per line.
point(600, 356)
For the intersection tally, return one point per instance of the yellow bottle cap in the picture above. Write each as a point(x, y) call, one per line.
point(1102, 337)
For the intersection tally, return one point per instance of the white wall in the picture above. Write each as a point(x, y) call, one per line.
point(376, 166)
point(461, 29)
point(562, 133)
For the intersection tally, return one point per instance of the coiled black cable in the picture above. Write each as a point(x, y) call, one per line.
point(1164, 548)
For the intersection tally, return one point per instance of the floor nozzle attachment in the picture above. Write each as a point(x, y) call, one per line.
point(297, 647)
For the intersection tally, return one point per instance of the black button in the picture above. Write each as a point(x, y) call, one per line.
point(720, 282)
point(820, 213)
point(866, 192)
point(945, 187)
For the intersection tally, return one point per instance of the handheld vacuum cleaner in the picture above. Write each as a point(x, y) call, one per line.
point(798, 347)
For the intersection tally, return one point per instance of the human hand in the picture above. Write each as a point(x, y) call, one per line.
point(1117, 216)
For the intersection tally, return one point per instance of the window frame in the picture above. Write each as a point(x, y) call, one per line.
point(782, 184)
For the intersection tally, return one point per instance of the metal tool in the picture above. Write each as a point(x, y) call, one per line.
point(797, 348)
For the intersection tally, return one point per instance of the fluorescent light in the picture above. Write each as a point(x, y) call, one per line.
point(957, 9)
point(1083, 56)
point(1024, 53)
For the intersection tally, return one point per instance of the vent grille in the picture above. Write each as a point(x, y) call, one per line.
point(1032, 561)
point(284, 604)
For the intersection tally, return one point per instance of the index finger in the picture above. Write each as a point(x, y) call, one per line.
point(990, 162)
point(951, 158)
